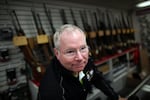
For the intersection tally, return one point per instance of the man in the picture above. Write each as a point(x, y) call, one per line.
point(71, 73)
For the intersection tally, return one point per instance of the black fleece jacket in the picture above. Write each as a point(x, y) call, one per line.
point(59, 83)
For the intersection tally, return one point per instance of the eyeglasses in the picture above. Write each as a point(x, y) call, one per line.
point(74, 52)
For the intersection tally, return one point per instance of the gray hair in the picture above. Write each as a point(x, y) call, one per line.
point(65, 28)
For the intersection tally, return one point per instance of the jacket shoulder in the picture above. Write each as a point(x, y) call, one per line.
point(49, 85)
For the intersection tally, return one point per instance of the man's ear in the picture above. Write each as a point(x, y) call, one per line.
point(56, 52)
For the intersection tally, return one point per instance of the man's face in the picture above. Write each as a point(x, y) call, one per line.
point(73, 51)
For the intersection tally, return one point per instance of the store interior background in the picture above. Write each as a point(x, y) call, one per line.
point(141, 24)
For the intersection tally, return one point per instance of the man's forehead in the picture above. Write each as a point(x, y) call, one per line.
point(69, 33)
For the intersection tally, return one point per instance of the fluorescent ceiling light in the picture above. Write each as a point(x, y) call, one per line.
point(143, 4)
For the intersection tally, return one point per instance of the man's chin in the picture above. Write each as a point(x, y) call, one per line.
point(79, 69)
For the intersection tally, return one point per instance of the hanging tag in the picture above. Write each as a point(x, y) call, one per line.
point(92, 34)
point(128, 31)
point(100, 33)
point(86, 34)
point(41, 39)
point(107, 32)
point(119, 31)
point(132, 30)
point(114, 32)
point(123, 31)
point(20, 40)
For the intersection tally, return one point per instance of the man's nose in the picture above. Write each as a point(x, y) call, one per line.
point(79, 55)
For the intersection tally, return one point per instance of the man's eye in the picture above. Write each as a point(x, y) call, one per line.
point(83, 48)
point(70, 52)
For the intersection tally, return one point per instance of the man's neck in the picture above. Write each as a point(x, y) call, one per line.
point(76, 74)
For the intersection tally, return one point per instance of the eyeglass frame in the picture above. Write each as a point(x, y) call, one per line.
point(72, 52)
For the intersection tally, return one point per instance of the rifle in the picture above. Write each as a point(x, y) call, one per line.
point(20, 32)
point(100, 34)
point(49, 16)
point(47, 49)
point(73, 17)
point(91, 35)
point(63, 16)
point(117, 34)
point(30, 57)
point(44, 48)
point(124, 31)
point(85, 26)
point(127, 26)
point(106, 34)
point(112, 35)
point(95, 39)
point(131, 31)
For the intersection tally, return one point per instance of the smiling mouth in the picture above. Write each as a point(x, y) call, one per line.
point(78, 64)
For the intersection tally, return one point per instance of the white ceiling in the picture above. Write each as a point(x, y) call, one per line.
point(119, 4)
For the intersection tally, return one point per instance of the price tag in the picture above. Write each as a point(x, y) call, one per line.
point(132, 30)
point(100, 33)
point(41, 39)
point(123, 31)
point(114, 32)
point(20, 40)
point(119, 31)
point(128, 31)
point(107, 32)
point(92, 34)
point(86, 34)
